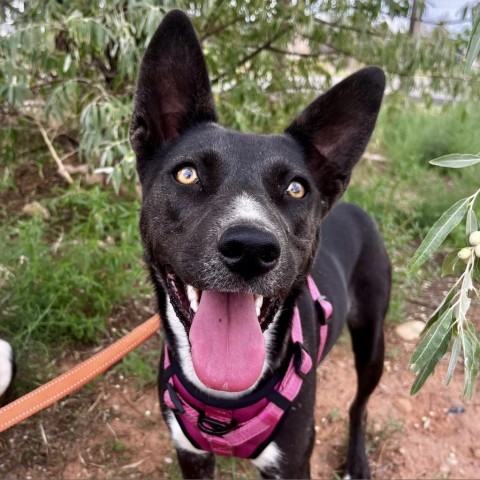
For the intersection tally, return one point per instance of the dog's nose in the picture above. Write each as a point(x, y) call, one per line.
point(249, 251)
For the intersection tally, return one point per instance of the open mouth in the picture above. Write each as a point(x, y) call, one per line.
point(185, 300)
point(225, 331)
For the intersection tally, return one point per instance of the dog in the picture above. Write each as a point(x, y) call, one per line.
point(238, 242)
point(7, 370)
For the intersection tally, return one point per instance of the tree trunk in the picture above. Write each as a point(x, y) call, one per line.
point(416, 17)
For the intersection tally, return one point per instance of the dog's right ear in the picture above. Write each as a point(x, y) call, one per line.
point(173, 89)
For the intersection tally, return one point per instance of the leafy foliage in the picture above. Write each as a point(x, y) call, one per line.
point(71, 66)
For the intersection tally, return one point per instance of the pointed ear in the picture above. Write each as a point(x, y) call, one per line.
point(334, 130)
point(173, 89)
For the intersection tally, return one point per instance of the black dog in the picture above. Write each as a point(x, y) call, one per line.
point(231, 228)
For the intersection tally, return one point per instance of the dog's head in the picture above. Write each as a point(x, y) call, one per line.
point(230, 221)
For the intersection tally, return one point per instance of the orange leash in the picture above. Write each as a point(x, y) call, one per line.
point(77, 377)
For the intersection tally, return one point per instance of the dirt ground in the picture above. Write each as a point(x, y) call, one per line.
point(112, 428)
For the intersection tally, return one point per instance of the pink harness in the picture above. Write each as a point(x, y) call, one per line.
point(243, 427)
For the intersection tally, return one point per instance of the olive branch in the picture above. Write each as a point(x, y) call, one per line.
point(449, 323)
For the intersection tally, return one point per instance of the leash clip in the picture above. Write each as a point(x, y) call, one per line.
point(214, 427)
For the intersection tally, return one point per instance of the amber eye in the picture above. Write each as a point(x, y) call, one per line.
point(296, 190)
point(187, 176)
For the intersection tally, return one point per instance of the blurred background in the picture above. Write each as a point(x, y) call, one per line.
point(71, 273)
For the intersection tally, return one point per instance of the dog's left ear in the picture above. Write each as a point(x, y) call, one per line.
point(173, 89)
point(334, 129)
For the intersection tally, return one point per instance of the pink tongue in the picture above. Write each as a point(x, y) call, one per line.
point(228, 347)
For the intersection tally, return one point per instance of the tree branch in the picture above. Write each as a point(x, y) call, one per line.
point(248, 57)
point(219, 29)
point(301, 54)
point(61, 167)
point(349, 28)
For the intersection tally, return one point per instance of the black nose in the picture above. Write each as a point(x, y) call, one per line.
point(249, 251)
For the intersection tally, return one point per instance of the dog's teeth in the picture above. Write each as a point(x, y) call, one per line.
point(193, 297)
point(258, 304)
point(194, 306)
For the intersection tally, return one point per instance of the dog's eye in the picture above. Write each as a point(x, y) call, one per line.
point(187, 176)
point(296, 190)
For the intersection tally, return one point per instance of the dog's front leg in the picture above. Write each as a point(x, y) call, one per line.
point(194, 465)
point(288, 456)
point(193, 462)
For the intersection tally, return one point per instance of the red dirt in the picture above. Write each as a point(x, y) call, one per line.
point(113, 429)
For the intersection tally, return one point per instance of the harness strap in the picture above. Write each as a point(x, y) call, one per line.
point(246, 431)
point(324, 313)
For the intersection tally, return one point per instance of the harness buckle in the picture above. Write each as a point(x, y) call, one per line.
point(214, 427)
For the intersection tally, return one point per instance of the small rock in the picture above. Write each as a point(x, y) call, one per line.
point(94, 179)
point(404, 404)
point(452, 460)
point(168, 460)
point(410, 331)
point(35, 209)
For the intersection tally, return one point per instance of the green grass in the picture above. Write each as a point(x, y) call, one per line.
point(142, 365)
point(404, 193)
point(62, 277)
point(412, 136)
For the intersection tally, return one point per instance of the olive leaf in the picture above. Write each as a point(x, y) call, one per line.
point(437, 234)
point(456, 160)
point(450, 264)
point(441, 309)
point(452, 364)
point(472, 222)
point(432, 348)
point(473, 48)
point(471, 350)
point(432, 340)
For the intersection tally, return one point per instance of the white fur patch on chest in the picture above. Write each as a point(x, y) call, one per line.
point(6, 365)
point(179, 438)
